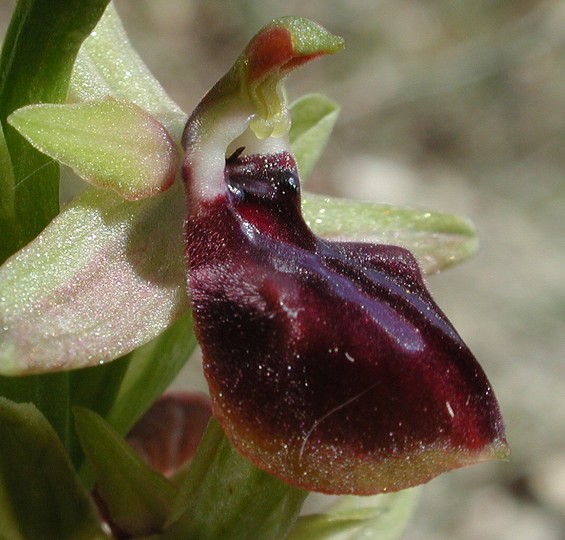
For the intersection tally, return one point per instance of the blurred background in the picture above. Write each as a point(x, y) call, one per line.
point(452, 105)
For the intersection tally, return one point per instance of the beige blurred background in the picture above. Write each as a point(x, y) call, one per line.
point(453, 105)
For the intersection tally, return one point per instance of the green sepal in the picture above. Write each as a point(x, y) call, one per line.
point(224, 496)
point(137, 497)
point(40, 494)
point(109, 143)
point(437, 239)
point(383, 517)
point(111, 279)
point(313, 119)
point(108, 65)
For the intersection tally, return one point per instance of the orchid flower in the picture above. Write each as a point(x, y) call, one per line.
point(329, 364)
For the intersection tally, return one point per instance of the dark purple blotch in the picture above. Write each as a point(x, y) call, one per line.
point(329, 363)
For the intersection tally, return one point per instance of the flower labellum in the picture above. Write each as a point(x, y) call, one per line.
point(329, 364)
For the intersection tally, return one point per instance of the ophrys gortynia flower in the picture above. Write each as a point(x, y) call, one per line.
point(329, 364)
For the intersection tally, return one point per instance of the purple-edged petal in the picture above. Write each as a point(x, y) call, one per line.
point(105, 277)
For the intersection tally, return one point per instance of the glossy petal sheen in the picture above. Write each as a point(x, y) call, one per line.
point(329, 363)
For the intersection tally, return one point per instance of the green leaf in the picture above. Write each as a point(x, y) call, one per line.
point(123, 390)
point(313, 118)
point(35, 67)
point(224, 496)
point(107, 65)
point(383, 517)
point(151, 370)
point(40, 495)
point(111, 278)
point(8, 218)
point(111, 144)
point(138, 498)
point(437, 239)
point(94, 388)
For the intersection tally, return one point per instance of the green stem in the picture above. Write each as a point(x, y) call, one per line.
point(37, 58)
point(224, 496)
point(49, 393)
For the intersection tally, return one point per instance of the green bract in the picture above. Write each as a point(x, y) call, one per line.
point(36, 475)
point(138, 498)
point(383, 517)
point(219, 470)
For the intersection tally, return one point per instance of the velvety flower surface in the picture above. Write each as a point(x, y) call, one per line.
point(329, 363)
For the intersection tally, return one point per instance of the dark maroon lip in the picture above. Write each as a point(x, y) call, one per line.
point(316, 349)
